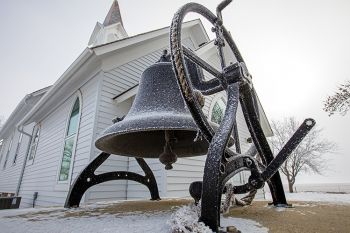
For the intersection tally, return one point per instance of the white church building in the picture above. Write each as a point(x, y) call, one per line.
point(50, 136)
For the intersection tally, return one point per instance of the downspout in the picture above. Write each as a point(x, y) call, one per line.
point(27, 151)
point(25, 159)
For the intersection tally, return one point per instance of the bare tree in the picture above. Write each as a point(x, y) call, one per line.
point(307, 157)
point(340, 101)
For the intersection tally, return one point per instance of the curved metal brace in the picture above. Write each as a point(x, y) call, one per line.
point(218, 167)
point(214, 168)
point(87, 179)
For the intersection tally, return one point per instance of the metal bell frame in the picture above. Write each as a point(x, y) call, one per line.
point(221, 162)
point(87, 178)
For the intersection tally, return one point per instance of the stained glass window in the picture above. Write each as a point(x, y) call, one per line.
point(8, 151)
point(217, 113)
point(66, 160)
point(17, 149)
point(69, 141)
point(34, 142)
point(74, 119)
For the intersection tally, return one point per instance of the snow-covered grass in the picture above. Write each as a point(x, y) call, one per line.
point(333, 198)
point(92, 218)
point(185, 220)
point(103, 217)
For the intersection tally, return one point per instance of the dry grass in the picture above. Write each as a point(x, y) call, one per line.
point(303, 217)
point(116, 209)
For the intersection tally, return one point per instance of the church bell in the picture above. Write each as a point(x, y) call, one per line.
point(158, 125)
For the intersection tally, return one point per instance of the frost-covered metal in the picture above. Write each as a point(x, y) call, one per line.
point(223, 163)
point(87, 178)
point(157, 115)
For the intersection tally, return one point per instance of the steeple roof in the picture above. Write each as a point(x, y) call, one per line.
point(113, 15)
point(111, 30)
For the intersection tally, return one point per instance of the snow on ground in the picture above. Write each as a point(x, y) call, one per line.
point(185, 219)
point(55, 220)
point(333, 198)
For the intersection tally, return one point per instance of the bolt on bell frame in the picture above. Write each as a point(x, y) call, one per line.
point(223, 163)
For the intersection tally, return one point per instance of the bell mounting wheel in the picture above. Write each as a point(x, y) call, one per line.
point(222, 163)
point(181, 65)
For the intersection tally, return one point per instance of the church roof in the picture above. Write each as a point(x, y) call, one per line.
point(89, 58)
point(113, 15)
point(22, 109)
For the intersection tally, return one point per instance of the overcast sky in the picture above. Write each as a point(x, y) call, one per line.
point(297, 51)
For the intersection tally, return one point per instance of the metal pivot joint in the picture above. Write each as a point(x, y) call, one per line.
point(222, 163)
point(87, 178)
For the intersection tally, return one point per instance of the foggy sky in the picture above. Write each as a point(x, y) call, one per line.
point(297, 51)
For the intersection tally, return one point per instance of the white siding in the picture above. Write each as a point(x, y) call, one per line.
point(184, 172)
point(85, 138)
point(138, 191)
point(41, 175)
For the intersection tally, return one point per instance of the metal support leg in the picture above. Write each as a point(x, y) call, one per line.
point(253, 123)
point(215, 167)
point(87, 178)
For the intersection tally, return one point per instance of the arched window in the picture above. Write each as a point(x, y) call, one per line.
point(17, 149)
point(34, 142)
point(218, 110)
point(69, 141)
point(8, 150)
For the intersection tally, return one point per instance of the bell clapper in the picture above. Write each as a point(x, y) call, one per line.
point(198, 136)
point(168, 157)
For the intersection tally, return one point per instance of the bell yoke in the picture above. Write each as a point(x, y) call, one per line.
point(166, 121)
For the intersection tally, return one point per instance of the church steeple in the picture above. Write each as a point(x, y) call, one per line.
point(111, 30)
point(113, 15)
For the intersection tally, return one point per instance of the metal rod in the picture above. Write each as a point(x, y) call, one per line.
point(287, 149)
point(199, 61)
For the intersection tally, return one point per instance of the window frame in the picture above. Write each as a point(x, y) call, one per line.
point(213, 102)
point(8, 151)
point(242, 175)
point(19, 143)
point(2, 146)
point(36, 133)
point(78, 97)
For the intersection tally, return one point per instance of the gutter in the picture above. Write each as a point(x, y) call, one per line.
point(12, 118)
point(83, 57)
